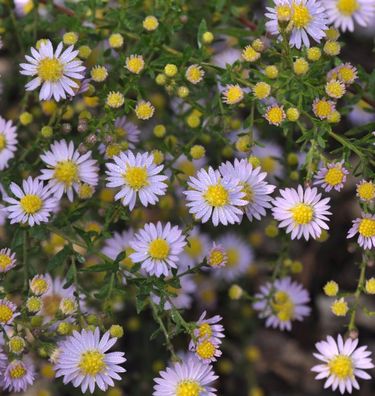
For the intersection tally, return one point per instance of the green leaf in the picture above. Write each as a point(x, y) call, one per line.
point(59, 258)
point(202, 29)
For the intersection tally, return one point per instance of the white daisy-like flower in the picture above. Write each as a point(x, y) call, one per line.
point(55, 71)
point(206, 349)
point(210, 195)
point(68, 169)
point(119, 243)
point(257, 191)
point(239, 257)
point(302, 212)
point(127, 130)
point(196, 249)
point(33, 204)
point(343, 363)
point(8, 142)
point(307, 18)
point(18, 375)
point(157, 248)
point(365, 227)
point(190, 377)
point(281, 303)
point(332, 176)
point(7, 312)
point(343, 13)
point(7, 260)
point(136, 175)
point(84, 361)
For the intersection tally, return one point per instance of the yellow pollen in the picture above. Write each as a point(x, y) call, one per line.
point(341, 366)
point(17, 371)
point(135, 64)
point(301, 16)
point(367, 228)
point(66, 172)
point(283, 13)
point(275, 115)
point(51, 304)
point(334, 176)
point(136, 177)
point(194, 248)
point(302, 213)
point(233, 94)
point(366, 191)
point(194, 74)
point(188, 388)
point(91, 363)
point(346, 74)
point(158, 249)
point(5, 261)
point(347, 7)
point(216, 195)
point(39, 286)
point(283, 306)
point(3, 142)
point(31, 203)
point(6, 314)
point(335, 89)
point(216, 258)
point(50, 69)
point(233, 257)
point(323, 109)
point(205, 330)
point(206, 350)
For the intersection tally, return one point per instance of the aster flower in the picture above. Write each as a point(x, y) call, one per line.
point(332, 176)
point(209, 328)
point(323, 108)
point(8, 141)
point(217, 256)
point(7, 260)
point(281, 303)
point(257, 191)
point(366, 190)
point(206, 349)
point(302, 212)
point(275, 115)
point(342, 363)
point(7, 312)
point(190, 377)
point(136, 175)
point(55, 71)
point(84, 361)
point(211, 195)
point(306, 17)
point(233, 94)
point(157, 248)
point(127, 130)
point(239, 257)
point(19, 375)
point(365, 227)
point(68, 169)
point(118, 243)
point(343, 13)
point(33, 203)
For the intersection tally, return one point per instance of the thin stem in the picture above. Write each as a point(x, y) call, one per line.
point(357, 294)
point(25, 261)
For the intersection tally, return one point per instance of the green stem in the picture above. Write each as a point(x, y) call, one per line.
point(25, 261)
point(357, 294)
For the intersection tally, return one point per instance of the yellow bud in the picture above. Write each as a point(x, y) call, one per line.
point(271, 72)
point(331, 288)
point(207, 37)
point(292, 114)
point(170, 70)
point(370, 286)
point(159, 131)
point(116, 331)
point(235, 292)
point(26, 118)
point(70, 38)
point(197, 152)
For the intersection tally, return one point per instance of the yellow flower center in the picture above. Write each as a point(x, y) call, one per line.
point(6, 314)
point(135, 64)
point(233, 94)
point(302, 213)
point(233, 257)
point(249, 194)
point(66, 172)
point(31, 203)
point(366, 191)
point(91, 362)
point(144, 110)
point(158, 249)
point(206, 349)
point(335, 90)
point(136, 177)
point(268, 164)
point(323, 108)
point(275, 115)
point(204, 330)
point(347, 7)
point(17, 371)
point(194, 248)
point(367, 228)
point(216, 195)
point(334, 176)
point(216, 258)
point(283, 306)
point(51, 304)
point(3, 142)
point(188, 168)
point(301, 16)
point(346, 74)
point(283, 13)
point(194, 74)
point(127, 262)
point(5, 261)
point(341, 366)
point(188, 388)
point(39, 286)
point(50, 69)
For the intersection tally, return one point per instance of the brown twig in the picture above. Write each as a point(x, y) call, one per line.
point(246, 22)
point(369, 101)
point(61, 8)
